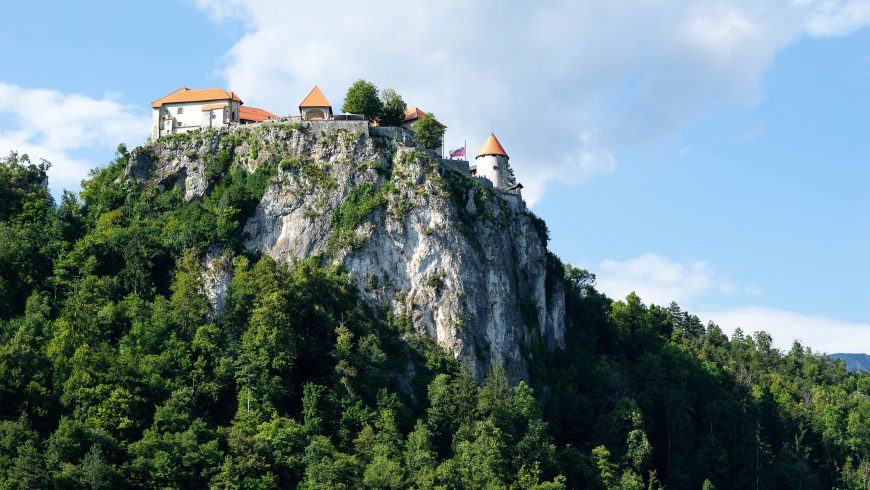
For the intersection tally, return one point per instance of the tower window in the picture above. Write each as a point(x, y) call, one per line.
point(180, 110)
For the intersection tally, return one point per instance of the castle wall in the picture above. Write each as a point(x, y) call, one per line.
point(317, 126)
point(155, 123)
point(400, 134)
point(458, 165)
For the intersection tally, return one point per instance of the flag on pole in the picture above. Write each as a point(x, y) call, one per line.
point(459, 152)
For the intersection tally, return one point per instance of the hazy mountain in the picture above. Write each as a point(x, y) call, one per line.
point(854, 362)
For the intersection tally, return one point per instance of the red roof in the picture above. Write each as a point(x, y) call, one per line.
point(491, 147)
point(185, 94)
point(255, 114)
point(415, 113)
point(315, 98)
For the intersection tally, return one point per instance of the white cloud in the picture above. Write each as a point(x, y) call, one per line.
point(835, 17)
point(658, 280)
point(543, 76)
point(820, 333)
point(58, 127)
point(591, 158)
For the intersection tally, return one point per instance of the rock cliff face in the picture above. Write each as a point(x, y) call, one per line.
point(452, 258)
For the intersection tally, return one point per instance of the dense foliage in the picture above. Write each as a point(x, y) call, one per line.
point(428, 132)
point(386, 106)
point(362, 98)
point(114, 373)
point(393, 108)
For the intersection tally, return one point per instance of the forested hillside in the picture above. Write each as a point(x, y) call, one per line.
point(114, 375)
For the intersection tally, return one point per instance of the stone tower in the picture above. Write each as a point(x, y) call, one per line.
point(492, 163)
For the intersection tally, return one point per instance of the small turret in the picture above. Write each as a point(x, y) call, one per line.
point(492, 163)
point(315, 106)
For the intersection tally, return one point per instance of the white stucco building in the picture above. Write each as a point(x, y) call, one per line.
point(186, 110)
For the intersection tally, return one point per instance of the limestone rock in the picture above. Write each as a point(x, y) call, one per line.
point(464, 263)
point(216, 276)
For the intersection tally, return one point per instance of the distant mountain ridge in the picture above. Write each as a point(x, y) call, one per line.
point(854, 362)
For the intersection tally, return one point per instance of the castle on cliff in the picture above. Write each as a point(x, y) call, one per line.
point(196, 109)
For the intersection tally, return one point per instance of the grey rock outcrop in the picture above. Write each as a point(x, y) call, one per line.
point(216, 276)
point(464, 264)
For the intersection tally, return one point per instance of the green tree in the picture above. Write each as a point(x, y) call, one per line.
point(428, 132)
point(420, 457)
point(95, 472)
point(326, 467)
point(362, 98)
point(607, 470)
point(480, 458)
point(394, 107)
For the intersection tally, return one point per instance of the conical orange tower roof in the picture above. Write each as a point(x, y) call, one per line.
point(492, 147)
point(315, 99)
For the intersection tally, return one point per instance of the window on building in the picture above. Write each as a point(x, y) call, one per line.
point(213, 115)
point(180, 110)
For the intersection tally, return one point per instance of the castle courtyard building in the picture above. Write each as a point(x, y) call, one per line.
point(189, 109)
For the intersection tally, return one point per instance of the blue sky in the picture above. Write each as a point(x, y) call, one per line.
point(713, 153)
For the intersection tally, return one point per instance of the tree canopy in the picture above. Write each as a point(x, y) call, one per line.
point(428, 132)
point(393, 108)
point(115, 373)
point(362, 98)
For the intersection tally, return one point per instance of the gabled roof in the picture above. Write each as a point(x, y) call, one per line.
point(315, 98)
point(415, 113)
point(491, 147)
point(255, 114)
point(185, 94)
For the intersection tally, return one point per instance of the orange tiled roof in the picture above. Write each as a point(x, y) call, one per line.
point(255, 114)
point(415, 113)
point(185, 94)
point(315, 98)
point(491, 147)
